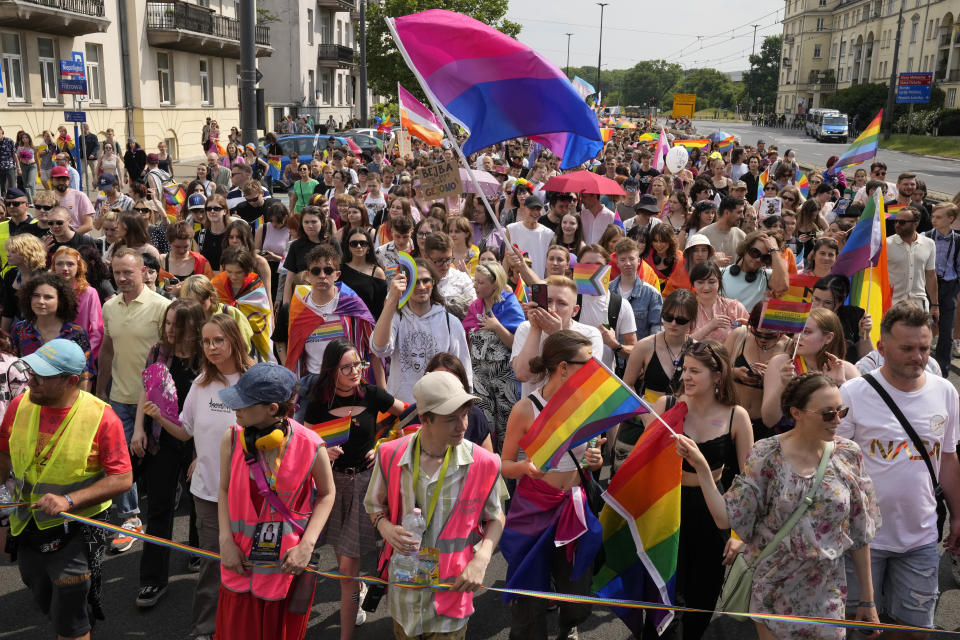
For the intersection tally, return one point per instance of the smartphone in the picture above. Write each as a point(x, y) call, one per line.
point(538, 292)
point(840, 207)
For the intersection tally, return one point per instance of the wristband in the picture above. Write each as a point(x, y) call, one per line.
point(69, 500)
point(869, 605)
point(934, 305)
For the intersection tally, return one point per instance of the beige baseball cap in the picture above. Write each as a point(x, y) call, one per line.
point(440, 392)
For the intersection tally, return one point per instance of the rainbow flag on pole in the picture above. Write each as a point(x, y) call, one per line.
point(725, 145)
point(862, 149)
point(641, 524)
point(803, 184)
point(522, 292)
point(689, 145)
point(764, 177)
point(590, 401)
point(801, 288)
point(784, 316)
point(418, 119)
point(335, 433)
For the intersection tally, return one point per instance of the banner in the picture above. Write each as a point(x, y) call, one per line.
point(441, 180)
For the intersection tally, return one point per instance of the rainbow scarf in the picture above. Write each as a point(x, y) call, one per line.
point(254, 304)
point(335, 433)
point(641, 524)
point(356, 324)
point(591, 400)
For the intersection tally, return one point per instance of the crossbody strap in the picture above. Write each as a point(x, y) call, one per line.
point(804, 505)
point(270, 495)
point(914, 437)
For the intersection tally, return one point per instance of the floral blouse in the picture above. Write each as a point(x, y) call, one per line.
point(26, 339)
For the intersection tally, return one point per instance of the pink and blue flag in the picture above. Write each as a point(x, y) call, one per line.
point(494, 86)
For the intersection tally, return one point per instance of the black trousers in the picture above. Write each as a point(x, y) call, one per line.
point(160, 476)
point(947, 291)
point(528, 616)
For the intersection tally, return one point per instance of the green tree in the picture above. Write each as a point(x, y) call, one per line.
point(385, 65)
point(865, 101)
point(713, 89)
point(651, 79)
point(761, 80)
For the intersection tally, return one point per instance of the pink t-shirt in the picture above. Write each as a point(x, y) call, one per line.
point(78, 204)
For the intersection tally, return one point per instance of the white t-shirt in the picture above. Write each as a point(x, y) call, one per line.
point(534, 241)
point(903, 487)
point(594, 226)
point(594, 312)
point(205, 418)
point(520, 337)
point(316, 344)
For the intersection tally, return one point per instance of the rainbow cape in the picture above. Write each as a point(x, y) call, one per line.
point(273, 167)
point(335, 433)
point(689, 145)
point(253, 303)
point(356, 324)
point(863, 148)
point(641, 524)
point(784, 316)
point(801, 288)
point(591, 279)
point(591, 400)
point(802, 184)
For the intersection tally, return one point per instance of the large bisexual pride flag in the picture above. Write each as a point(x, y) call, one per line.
point(641, 524)
point(494, 86)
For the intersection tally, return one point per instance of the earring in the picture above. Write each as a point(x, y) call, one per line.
point(716, 390)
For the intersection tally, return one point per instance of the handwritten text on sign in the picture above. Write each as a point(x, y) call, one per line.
point(440, 180)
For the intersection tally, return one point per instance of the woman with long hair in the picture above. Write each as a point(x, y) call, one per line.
point(698, 250)
point(422, 231)
point(27, 256)
point(705, 407)
point(485, 232)
point(354, 215)
point(110, 162)
point(609, 238)
point(209, 239)
point(541, 498)
point(810, 225)
point(717, 176)
point(258, 164)
point(132, 232)
point(465, 253)
point(238, 235)
point(46, 152)
point(203, 178)
point(820, 347)
point(521, 191)
point(312, 231)
point(716, 314)
point(662, 253)
point(570, 233)
point(26, 156)
point(810, 580)
point(490, 322)
point(398, 207)
point(302, 189)
point(704, 213)
point(175, 358)
point(48, 305)
point(233, 157)
point(558, 261)
point(205, 418)
point(239, 286)
point(339, 392)
point(361, 271)
point(341, 182)
point(752, 177)
point(182, 262)
point(675, 214)
point(660, 189)
point(791, 198)
point(134, 161)
point(770, 190)
point(201, 289)
point(272, 239)
point(69, 265)
point(820, 261)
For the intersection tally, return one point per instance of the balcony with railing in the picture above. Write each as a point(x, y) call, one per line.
point(338, 5)
point(334, 56)
point(189, 27)
point(60, 17)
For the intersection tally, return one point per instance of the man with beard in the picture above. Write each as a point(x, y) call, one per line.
point(912, 261)
point(75, 202)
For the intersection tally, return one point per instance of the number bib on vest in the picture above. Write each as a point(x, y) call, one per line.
point(266, 542)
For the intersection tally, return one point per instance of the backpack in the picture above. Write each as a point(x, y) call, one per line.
point(173, 194)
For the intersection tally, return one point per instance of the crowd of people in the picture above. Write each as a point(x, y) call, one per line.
point(150, 346)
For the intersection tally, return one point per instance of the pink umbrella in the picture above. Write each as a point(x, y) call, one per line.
point(489, 185)
point(584, 182)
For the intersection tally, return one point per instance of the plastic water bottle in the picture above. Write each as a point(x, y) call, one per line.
point(6, 497)
point(403, 567)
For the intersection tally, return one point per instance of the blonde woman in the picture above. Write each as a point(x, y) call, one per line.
point(201, 289)
point(27, 255)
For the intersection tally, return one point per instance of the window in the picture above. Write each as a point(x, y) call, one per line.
point(823, 3)
point(326, 87)
point(325, 27)
point(351, 87)
point(205, 95)
point(203, 3)
point(48, 68)
point(816, 51)
point(310, 26)
point(94, 85)
point(951, 97)
point(164, 77)
point(842, 45)
point(819, 24)
point(339, 89)
point(840, 74)
point(914, 26)
point(12, 67)
point(890, 7)
point(909, 65)
point(311, 88)
point(339, 32)
point(846, 20)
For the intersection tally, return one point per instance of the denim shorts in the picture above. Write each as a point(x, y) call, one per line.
point(905, 585)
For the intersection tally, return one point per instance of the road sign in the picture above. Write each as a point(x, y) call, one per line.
point(73, 75)
point(684, 104)
point(914, 88)
point(1, 79)
point(74, 116)
point(259, 77)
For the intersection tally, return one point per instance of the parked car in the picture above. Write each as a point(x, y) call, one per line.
point(304, 145)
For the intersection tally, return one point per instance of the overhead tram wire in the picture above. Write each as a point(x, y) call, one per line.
point(723, 33)
point(749, 34)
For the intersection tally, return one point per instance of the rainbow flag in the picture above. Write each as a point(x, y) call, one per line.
point(801, 288)
point(649, 136)
point(416, 118)
point(894, 208)
point(803, 184)
point(800, 365)
point(764, 177)
point(689, 145)
point(273, 167)
point(335, 433)
point(522, 291)
point(725, 145)
point(606, 133)
point(784, 316)
point(590, 401)
point(866, 247)
point(591, 279)
point(641, 524)
point(863, 148)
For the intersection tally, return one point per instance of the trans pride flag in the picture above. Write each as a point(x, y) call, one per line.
point(494, 86)
point(862, 149)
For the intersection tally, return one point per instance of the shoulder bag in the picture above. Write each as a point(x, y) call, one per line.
point(735, 595)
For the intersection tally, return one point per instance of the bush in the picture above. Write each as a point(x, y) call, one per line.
point(918, 122)
point(950, 122)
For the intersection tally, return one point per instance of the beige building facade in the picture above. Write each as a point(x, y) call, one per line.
point(834, 44)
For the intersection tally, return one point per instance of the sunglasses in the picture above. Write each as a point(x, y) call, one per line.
point(15, 203)
point(829, 415)
point(253, 200)
point(788, 198)
point(756, 254)
point(359, 244)
point(442, 262)
point(213, 208)
point(316, 271)
point(142, 209)
point(765, 336)
point(43, 207)
point(899, 221)
point(56, 223)
point(425, 282)
point(680, 320)
point(701, 349)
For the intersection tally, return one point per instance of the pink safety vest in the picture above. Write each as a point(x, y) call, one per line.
point(455, 541)
point(294, 485)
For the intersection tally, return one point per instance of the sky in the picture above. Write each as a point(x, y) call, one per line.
point(635, 30)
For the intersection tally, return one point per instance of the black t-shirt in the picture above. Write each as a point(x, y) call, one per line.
point(78, 240)
point(251, 213)
point(8, 295)
point(27, 226)
point(296, 260)
point(363, 425)
point(549, 224)
point(210, 246)
point(644, 177)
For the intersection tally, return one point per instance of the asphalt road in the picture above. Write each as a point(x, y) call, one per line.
point(940, 174)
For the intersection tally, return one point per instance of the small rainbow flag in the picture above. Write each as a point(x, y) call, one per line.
point(725, 145)
point(522, 292)
point(590, 401)
point(606, 133)
point(800, 365)
point(801, 288)
point(803, 184)
point(689, 145)
point(174, 195)
point(649, 136)
point(764, 177)
point(863, 148)
point(784, 316)
point(591, 279)
point(334, 432)
point(893, 208)
point(327, 331)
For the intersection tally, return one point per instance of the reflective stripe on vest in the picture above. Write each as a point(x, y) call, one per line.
point(294, 486)
point(66, 466)
point(454, 542)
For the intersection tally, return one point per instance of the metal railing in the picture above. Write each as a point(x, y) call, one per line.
point(85, 7)
point(336, 52)
point(190, 17)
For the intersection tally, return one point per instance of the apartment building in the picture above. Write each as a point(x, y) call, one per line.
point(834, 44)
point(155, 69)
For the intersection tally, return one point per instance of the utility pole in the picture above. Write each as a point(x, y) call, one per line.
point(363, 63)
point(248, 70)
point(892, 85)
point(754, 50)
point(567, 71)
point(600, 47)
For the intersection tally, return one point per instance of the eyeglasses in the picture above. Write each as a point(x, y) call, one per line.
point(213, 208)
point(316, 271)
point(15, 203)
point(756, 254)
point(899, 221)
point(829, 415)
point(679, 320)
point(57, 223)
point(442, 262)
point(425, 282)
point(142, 209)
point(43, 207)
point(359, 244)
point(252, 200)
point(347, 369)
point(879, 173)
point(423, 234)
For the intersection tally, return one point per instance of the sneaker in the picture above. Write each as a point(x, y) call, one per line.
point(123, 542)
point(204, 636)
point(361, 614)
point(568, 634)
point(194, 564)
point(955, 566)
point(361, 617)
point(956, 347)
point(148, 596)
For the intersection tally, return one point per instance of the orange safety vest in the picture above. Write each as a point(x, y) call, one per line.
point(294, 486)
point(456, 539)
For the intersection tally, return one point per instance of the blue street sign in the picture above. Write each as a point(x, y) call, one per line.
point(73, 75)
point(74, 116)
point(1, 79)
point(914, 88)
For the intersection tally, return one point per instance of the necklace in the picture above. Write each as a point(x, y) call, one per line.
point(674, 356)
point(432, 455)
point(763, 348)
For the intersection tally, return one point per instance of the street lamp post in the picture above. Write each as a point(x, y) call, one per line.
point(567, 71)
point(600, 47)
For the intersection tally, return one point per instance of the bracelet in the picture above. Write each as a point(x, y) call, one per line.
point(869, 605)
point(376, 521)
point(69, 500)
point(934, 305)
